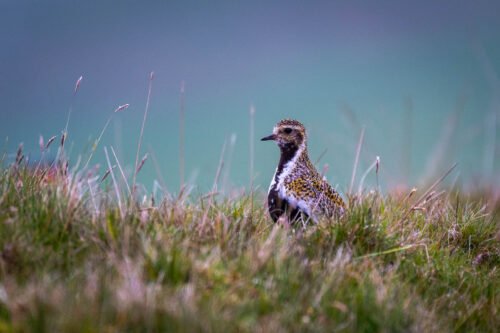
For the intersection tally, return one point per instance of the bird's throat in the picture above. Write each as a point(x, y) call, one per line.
point(288, 153)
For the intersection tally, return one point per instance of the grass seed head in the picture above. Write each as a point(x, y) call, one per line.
point(19, 154)
point(142, 163)
point(106, 174)
point(63, 138)
point(77, 84)
point(412, 192)
point(121, 108)
point(49, 142)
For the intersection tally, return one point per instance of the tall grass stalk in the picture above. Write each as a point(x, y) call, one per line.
point(323, 153)
point(121, 171)
point(374, 165)
point(251, 148)
point(93, 199)
point(394, 250)
point(227, 171)
point(434, 185)
point(182, 115)
point(139, 143)
point(415, 205)
point(60, 153)
point(159, 174)
point(407, 139)
point(96, 142)
point(214, 191)
point(252, 156)
point(356, 159)
point(43, 149)
point(75, 90)
point(115, 184)
point(220, 166)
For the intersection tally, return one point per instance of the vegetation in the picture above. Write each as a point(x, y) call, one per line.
point(80, 252)
point(76, 259)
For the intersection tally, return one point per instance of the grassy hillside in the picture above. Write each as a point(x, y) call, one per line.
point(73, 260)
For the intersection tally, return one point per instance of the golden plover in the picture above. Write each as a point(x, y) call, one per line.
point(297, 189)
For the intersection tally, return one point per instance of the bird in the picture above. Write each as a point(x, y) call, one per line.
point(297, 190)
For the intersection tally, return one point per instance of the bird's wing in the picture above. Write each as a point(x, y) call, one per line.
point(316, 189)
point(332, 195)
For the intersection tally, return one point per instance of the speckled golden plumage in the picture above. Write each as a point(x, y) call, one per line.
point(297, 189)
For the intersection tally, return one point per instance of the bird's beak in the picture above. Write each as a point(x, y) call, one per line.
point(269, 137)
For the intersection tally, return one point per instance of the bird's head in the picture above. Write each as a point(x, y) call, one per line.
point(288, 134)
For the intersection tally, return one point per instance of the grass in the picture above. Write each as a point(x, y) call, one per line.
point(220, 265)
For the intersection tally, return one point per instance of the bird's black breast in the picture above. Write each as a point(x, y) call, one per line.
point(278, 206)
point(275, 204)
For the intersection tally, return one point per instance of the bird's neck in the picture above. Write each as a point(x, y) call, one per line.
point(291, 152)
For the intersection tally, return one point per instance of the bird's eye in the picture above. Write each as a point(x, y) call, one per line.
point(288, 130)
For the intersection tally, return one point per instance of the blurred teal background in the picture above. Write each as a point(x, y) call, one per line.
point(421, 77)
